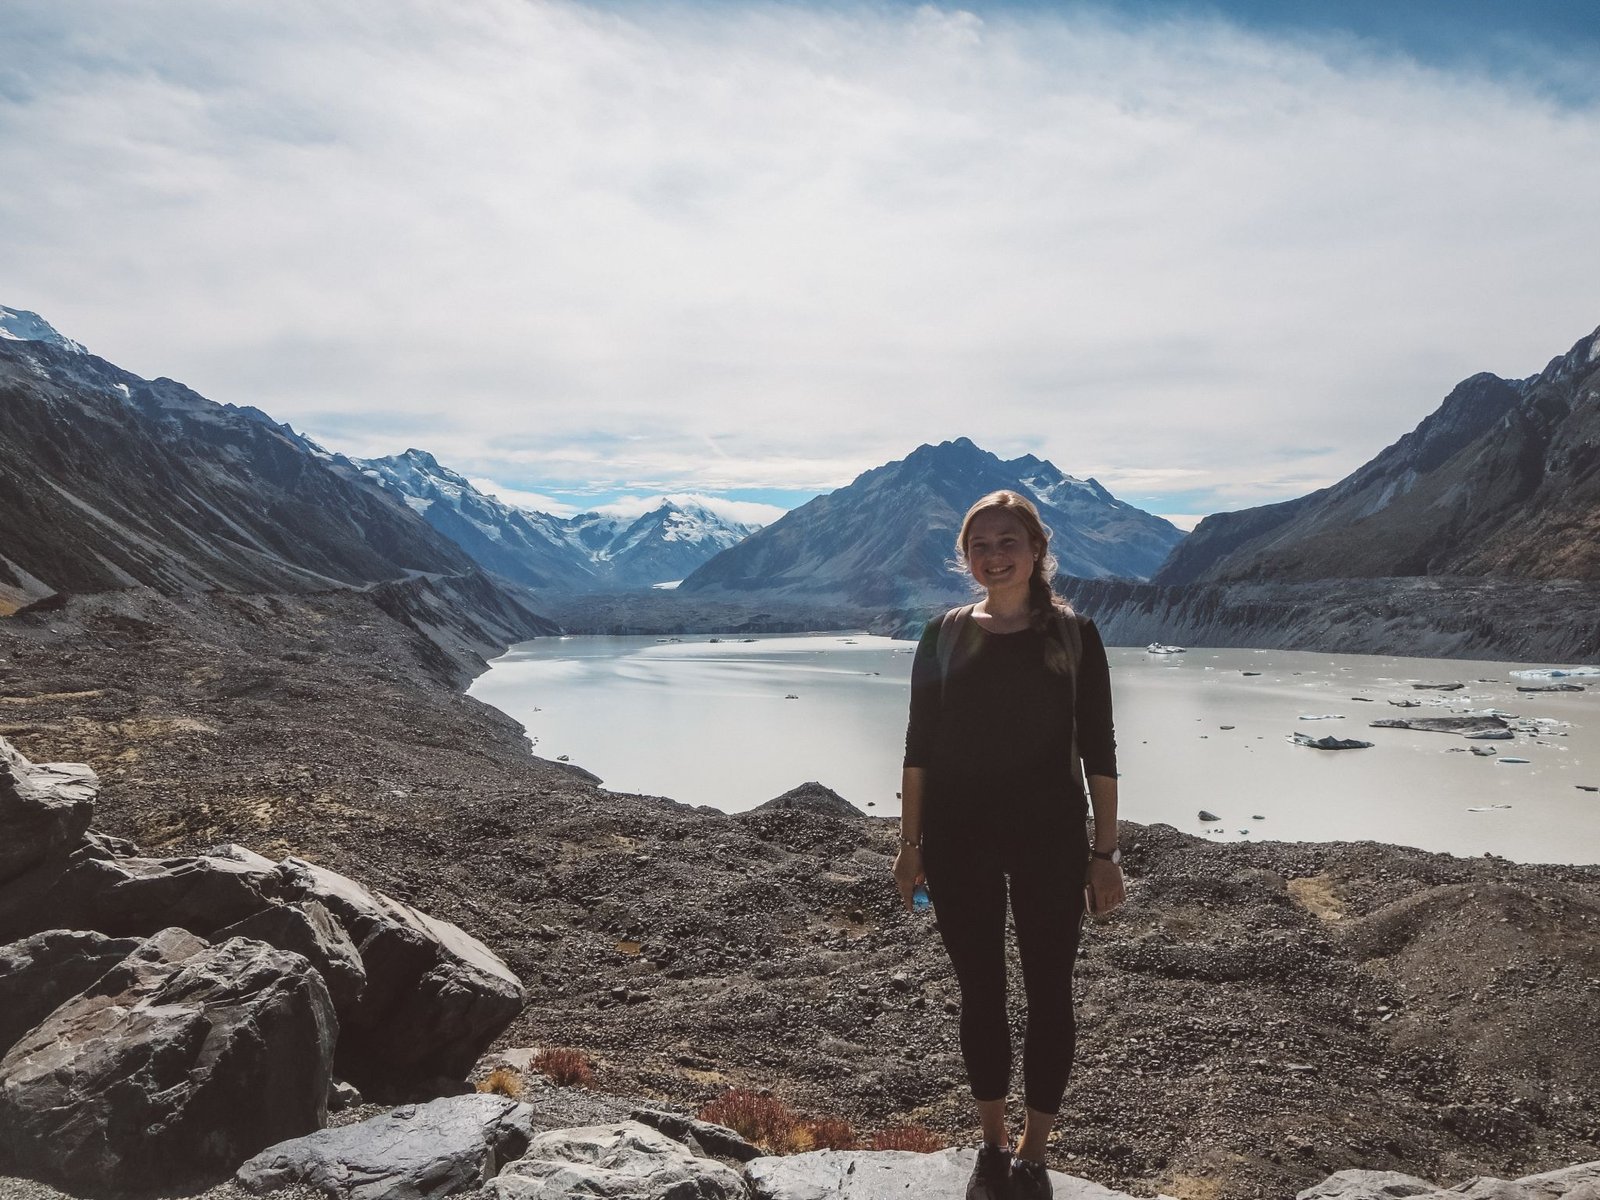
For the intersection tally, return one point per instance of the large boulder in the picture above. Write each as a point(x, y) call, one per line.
point(418, 1000)
point(1369, 1185)
point(1581, 1182)
point(308, 930)
point(435, 997)
point(138, 896)
point(178, 1063)
point(624, 1161)
point(882, 1174)
point(450, 1145)
point(42, 972)
point(98, 887)
point(713, 1139)
point(45, 810)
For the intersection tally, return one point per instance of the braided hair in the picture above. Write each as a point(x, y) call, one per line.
point(1044, 606)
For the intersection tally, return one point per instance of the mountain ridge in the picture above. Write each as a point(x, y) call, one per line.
point(109, 481)
point(1503, 478)
point(596, 550)
point(887, 537)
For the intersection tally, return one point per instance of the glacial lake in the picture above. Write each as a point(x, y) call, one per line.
point(713, 722)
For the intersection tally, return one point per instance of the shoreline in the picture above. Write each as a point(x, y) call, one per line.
point(704, 723)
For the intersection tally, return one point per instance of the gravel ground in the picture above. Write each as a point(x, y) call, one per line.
point(1258, 1017)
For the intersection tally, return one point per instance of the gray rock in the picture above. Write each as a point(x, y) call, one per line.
point(881, 1174)
point(1368, 1185)
point(1581, 1182)
point(42, 972)
point(714, 1139)
point(176, 1064)
point(435, 997)
point(136, 897)
point(624, 1161)
point(45, 810)
point(307, 929)
point(103, 845)
point(418, 1150)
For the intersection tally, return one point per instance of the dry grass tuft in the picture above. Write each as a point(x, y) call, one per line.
point(502, 1081)
point(907, 1137)
point(764, 1120)
point(830, 1133)
point(565, 1066)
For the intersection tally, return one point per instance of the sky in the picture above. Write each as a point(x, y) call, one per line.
point(1213, 255)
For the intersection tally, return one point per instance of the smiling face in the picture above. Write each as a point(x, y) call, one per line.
point(998, 551)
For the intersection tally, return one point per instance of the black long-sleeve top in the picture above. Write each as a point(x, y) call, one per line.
point(1004, 716)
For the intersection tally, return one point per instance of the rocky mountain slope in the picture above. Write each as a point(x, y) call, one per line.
point(111, 481)
point(1515, 620)
point(1503, 479)
point(887, 537)
point(1258, 1017)
point(589, 552)
point(531, 548)
point(108, 480)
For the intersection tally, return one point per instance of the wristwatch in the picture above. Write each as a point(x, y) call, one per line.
point(1115, 856)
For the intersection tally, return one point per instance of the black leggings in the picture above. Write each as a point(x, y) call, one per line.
point(1042, 851)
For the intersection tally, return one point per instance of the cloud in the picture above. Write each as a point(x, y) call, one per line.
point(743, 512)
point(669, 247)
point(535, 501)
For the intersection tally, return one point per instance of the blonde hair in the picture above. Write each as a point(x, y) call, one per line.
point(1044, 606)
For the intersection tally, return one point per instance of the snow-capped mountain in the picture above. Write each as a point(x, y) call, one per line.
point(887, 538)
point(663, 545)
point(600, 550)
point(530, 548)
point(20, 325)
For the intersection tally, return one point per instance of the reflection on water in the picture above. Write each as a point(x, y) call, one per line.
point(733, 723)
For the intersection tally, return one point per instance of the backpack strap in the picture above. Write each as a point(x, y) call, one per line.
point(953, 636)
point(1071, 635)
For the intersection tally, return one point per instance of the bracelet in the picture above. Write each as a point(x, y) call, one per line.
point(907, 844)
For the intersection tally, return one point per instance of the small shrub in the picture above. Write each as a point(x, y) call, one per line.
point(565, 1066)
point(830, 1133)
point(502, 1081)
point(764, 1120)
point(907, 1137)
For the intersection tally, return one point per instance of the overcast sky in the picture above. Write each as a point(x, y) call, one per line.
point(1213, 256)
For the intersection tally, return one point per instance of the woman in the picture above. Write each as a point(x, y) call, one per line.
point(992, 800)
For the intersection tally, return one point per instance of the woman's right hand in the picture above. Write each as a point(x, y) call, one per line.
point(908, 872)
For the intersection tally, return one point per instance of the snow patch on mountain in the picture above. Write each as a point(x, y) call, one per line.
point(20, 325)
point(635, 542)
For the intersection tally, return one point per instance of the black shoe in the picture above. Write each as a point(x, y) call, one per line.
point(1029, 1180)
point(991, 1178)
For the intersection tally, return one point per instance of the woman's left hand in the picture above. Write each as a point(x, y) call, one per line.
point(1105, 884)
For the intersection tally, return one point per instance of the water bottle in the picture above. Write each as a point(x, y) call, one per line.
point(919, 898)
